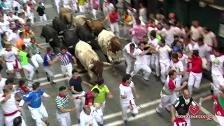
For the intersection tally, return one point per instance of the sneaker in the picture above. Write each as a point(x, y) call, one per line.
point(133, 115)
point(48, 79)
point(53, 83)
point(125, 122)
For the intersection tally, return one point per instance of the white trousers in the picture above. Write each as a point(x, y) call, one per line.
point(43, 18)
point(144, 67)
point(147, 59)
point(81, 8)
point(38, 114)
point(30, 69)
point(126, 106)
point(164, 67)
point(220, 120)
point(64, 119)
point(166, 102)
point(57, 4)
point(67, 70)
point(155, 63)
point(79, 103)
point(194, 81)
point(9, 119)
point(94, 13)
point(130, 64)
point(115, 28)
point(1, 117)
point(49, 71)
point(218, 81)
point(36, 60)
point(98, 115)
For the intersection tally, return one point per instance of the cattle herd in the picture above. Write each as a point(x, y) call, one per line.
point(83, 36)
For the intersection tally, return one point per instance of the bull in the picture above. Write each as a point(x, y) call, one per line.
point(96, 26)
point(110, 45)
point(70, 39)
point(66, 15)
point(89, 60)
point(51, 37)
point(85, 34)
point(79, 20)
point(59, 25)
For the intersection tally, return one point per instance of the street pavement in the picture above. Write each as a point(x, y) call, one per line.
point(149, 92)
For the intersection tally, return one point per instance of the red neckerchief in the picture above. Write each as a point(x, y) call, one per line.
point(181, 55)
point(25, 89)
point(8, 49)
point(176, 61)
point(124, 84)
point(62, 96)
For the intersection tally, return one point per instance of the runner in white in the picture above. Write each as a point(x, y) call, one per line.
point(140, 63)
point(168, 95)
point(87, 117)
point(204, 53)
point(154, 58)
point(178, 67)
point(127, 97)
point(10, 109)
point(217, 61)
point(128, 51)
point(164, 59)
point(9, 56)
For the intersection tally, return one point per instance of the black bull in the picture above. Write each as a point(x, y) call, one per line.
point(59, 25)
point(85, 34)
point(70, 37)
point(51, 37)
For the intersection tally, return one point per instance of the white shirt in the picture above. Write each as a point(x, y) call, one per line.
point(164, 54)
point(169, 35)
point(86, 120)
point(9, 56)
point(2, 84)
point(217, 64)
point(126, 91)
point(204, 50)
point(183, 59)
point(196, 33)
point(16, 4)
point(10, 105)
point(155, 42)
point(4, 26)
point(208, 38)
point(126, 51)
point(140, 59)
point(192, 46)
point(12, 37)
point(179, 67)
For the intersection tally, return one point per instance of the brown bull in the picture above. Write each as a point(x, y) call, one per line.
point(66, 15)
point(95, 25)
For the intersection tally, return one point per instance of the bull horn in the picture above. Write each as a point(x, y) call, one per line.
point(107, 64)
point(90, 66)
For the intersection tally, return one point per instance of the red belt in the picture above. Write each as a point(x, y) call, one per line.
point(12, 113)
